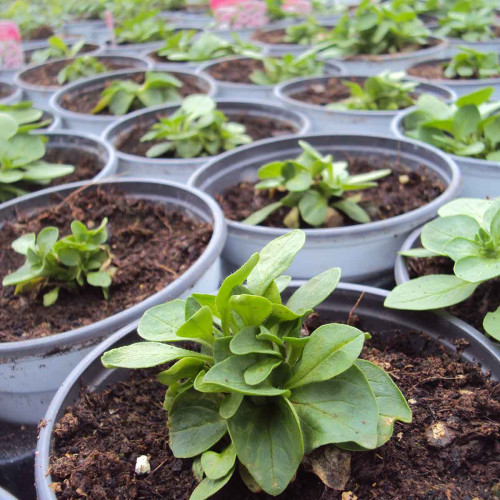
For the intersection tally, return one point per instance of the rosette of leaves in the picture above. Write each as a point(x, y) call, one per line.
point(57, 48)
point(21, 159)
point(257, 395)
point(469, 127)
point(81, 67)
point(27, 117)
point(314, 186)
point(385, 92)
point(145, 27)
point(76, 9)
point(304, 33)
point(123, 95)
point(70, 262)
point(287, 67)
point(470, 63)
point(196, 129)
point(467, 231)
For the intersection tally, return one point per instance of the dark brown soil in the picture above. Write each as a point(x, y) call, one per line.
point(235, 71)
point(5, 90)
point(485, 299)
point(98, 440)
point(389, 199)
point(84, 101)
point(272, 36)
point(256, 127)
point(40, 33)
point(46, 74)
point(435, 71)
point(151, 247)
point(321, 94)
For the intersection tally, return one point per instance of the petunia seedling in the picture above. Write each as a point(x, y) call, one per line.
point(69, 263)
point(57, 48)
point(27, 117)
point(305, 33)
point(467, 231)
point(258, 394)
point(472, 64)
point(81, 67)
point(142, 28)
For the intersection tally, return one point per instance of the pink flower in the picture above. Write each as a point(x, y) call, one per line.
point(9, 31)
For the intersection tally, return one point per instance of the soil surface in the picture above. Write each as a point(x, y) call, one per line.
point(257, 128)
point(41, 33)
point(98, 440)
point(151, 247)
point(400, 192)
point(85, 100)
point(486, 297)
point(272, 36)
point(434, 70)
point(238, 71)
point(405, 49)
point(46, 74)
point(5, 90)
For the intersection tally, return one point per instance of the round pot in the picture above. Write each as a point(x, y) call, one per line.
point(347, 121)
point(131, 49)
point(180, 169)
point(5, 495)
point(196, 19)
point(89, 29)
point(486, 46)
point(32, 370)
point(62, 139)
point(374, 64)
point(15, 92)
point(441, 328)
point(40, 94)
point(97, 123)
point(481, 178)
point(460, 87)
point(364, 252)
point(250, 90)
point(56, 121)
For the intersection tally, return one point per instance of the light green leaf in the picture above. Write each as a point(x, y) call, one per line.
point(51, 297)
point(246, 342)
point(24, 242)
point(472, 207)
point(313, 208)
point(199, 326)
point(99, 278)
point(477, 269)
point(252, 309)
point(208, 487)
point(262, 214)
point(217, 465)
point(8, 126)
point(260, 371)
point(187, 367)
point(491, 324)
point(160, 323)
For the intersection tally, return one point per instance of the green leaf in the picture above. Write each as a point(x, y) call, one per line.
point(51, 297)
point(199, 326)
point(160, 323)
point(8, 126)
point(46, 239)
point(313, 208)
point(418, 253)
point(217, 465)
point(466, 121)
point(230, 404)
point(476, 98)
point(194, 423)
point(24, 242)
point(268, 442)
point(246, 342)
point(491, 324)
point(472, 207)
point(99, 278)
point(262, 214)
point(331, 349)
point(260, 371)
point(208, 487)
point(477, 269)
point(187, 367)
point(252, 309)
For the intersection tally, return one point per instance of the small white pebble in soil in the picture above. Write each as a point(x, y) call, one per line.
point(412, 401)
point(142, 465)
point(404, 179)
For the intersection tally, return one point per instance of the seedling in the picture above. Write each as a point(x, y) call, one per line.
point(21, 159)
point(469, 127)
point(77, 9)
point(123, 95)
point(470, 63)
point(305, 33)
point(27, 117)
point(196, 129)
point(467, 231)
point(81, 67)
point(145, 27)
point(385, 92)
point(315, 187)
point(57, 48)
point(70, 262)
point(258, 395)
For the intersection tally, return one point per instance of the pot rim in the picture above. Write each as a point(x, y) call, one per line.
point(14, 96)
point(190, 276)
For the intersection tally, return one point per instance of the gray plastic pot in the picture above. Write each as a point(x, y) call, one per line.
point(5, 495)
point(180, 169)
point(56, 122)
point(89, 29)
point(460, 87)
point(32, 370)
point(486, 46)
point(250, 90)
point(62, 139)
point(481, 178)
point(364, 252)
point(372, 65)
point(131, 49)
point(442, 328)
point(15, 93)
point(96, 124)
point(347, 121)
point(41, 94)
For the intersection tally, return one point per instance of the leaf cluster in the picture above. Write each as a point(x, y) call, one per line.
point(257, 394)
point(80, 67)
point(468, 127)
point(467, 231)
point(90, 9)
point(27, 117)
point(470, 63)
point(57, 48)
point(305, 33)
point(315, 187)
point(124, 95)
point(144, 27)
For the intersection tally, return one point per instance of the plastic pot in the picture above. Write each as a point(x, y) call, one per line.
point(179, 169)
point(131, 49)
point(40, 94)
point(95, 124)
point(372, 65)
point(56, 121)
point(481, 178)
point(486, 46)
point(460, 87)
point(440, 327)
point(32, 370)
point(250, 90)
point(364, 252)
point(5, 495)
point(15, 93)
point(347, 121)
point(89, 29)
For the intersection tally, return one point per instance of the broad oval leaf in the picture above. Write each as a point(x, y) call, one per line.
point(217, 465)
point(252, 309)
point(491, 324)
point(208, 487)
point(160, 323)
point(187, 367)
point(477, 268)
point(260, 371)
point(246, 342)
point(472, 207)
point(230, 404)
point(199, 326)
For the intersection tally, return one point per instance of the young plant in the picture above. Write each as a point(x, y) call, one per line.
point(257, 395)
point(145, 27)
point(27, 117)
point(385, 92)
point(123, 95)
point(70, 262)
point(81, 67)
point(76, 9)
point(21, 159)
point(467, 231)
point(287, 67)
point(315, 187)
point(470, 63)
point(196, 129)
point(305, 33)
point(468, 127)
point(57, 48)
